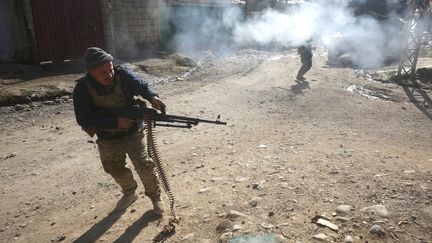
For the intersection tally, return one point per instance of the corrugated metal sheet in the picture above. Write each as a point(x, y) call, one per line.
point(13, 36)
point(65, 28)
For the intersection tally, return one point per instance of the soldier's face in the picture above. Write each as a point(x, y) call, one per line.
point(103, 73)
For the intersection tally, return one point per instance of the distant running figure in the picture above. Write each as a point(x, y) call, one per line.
point(305, 52)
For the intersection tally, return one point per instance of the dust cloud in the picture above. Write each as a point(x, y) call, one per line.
point(371, 39)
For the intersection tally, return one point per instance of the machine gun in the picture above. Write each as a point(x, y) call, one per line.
point(153, 118)
point(140, 111)
point(164, 120)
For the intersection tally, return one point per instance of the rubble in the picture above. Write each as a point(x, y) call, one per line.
point(344, 209)
point(377, 230)
point(376, 210)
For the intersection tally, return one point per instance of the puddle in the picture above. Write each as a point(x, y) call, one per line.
point(364, 74)
point(378, 76)
point(377, 94)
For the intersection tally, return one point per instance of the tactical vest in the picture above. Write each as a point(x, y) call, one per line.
point(104, 104)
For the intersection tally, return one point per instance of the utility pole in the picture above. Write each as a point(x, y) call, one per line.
point(417, 26)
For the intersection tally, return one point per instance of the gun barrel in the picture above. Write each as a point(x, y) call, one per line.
point(162, 119)
point(189, 120)
point(187, 125)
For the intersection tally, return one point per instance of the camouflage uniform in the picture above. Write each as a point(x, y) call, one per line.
point(113, 157)
point(115, 143)
point(305, 52)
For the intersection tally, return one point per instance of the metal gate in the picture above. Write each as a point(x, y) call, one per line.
point(65, 28)
point(13, 35)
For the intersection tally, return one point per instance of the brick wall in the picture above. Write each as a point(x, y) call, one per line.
point(131, 26)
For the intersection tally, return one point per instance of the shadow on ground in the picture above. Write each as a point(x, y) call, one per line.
point(11, 73)
point(100, 228)
point(300, 86)
point(419, 97)
point(133, 231)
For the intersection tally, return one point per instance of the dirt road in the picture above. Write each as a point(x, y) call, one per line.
point(291, 151)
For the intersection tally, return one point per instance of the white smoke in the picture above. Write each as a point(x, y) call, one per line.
point(369, 42)
point(198, 28)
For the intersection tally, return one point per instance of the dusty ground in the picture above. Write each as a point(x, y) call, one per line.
point(292, 151)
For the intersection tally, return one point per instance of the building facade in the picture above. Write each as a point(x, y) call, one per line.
point(56, 30)
point(130, 26)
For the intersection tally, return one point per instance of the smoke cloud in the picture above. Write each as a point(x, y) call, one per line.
point(369, 40)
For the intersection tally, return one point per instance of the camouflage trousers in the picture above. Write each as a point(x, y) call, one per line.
point(306, 66)
point(113, 157)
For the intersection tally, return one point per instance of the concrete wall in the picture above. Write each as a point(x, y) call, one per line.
point(131, 27)
point(197, 2)
point(254, 7)
point(257, 5)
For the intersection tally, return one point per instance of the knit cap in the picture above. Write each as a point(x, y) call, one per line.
point(95, 56)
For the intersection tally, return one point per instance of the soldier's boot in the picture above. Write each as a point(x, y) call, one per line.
point(300, 74)
point(158, 204)
point(300, 78)
point(126, 201)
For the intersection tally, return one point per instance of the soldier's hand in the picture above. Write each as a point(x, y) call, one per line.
point(124, 123)
point(157, 103)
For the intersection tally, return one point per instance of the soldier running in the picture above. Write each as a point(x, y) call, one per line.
point(305, 52)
